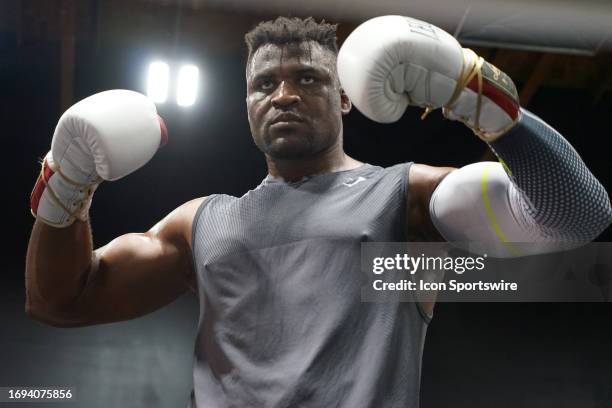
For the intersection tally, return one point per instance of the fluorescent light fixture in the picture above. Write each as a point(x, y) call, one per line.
point(187, 85)
point(157, 81)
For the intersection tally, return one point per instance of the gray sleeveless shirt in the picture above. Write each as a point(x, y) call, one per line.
point(281, 318)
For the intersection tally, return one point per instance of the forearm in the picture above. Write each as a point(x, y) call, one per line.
point(561, 197)
point(57, 264)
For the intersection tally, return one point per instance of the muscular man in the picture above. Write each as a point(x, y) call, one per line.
point(277, 271)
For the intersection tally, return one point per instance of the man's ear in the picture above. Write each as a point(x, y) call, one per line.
point(345, 102)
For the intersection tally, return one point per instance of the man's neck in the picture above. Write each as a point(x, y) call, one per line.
point(329, 161)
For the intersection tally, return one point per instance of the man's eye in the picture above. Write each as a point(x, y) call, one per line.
point(266, 85)
point(307, 80)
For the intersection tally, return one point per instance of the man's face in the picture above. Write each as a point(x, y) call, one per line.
point(294, 100)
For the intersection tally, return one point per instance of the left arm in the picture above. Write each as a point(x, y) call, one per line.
point(541, 192)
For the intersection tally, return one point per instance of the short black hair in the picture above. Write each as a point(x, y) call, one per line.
point(286, 30)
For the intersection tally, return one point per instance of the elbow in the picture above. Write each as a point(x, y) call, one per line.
point(50, 295)
point(583, 220)
point(602, 212)
point(601, 218)
point(49, 314)
point(37, 314)
point(607, 218)
point(44, 318)
point(608, 212)
point(52, 319)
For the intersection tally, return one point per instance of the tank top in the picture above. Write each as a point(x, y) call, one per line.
point(279, 281)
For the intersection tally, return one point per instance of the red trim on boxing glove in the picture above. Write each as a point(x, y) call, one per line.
point(39, 187)
point(499, 97)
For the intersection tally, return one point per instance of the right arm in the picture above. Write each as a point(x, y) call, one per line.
point(68, 284)
point(103, 137)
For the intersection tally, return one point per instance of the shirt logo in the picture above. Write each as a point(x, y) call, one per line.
point(351, 182)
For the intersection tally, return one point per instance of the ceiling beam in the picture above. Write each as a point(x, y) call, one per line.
point(538, 75)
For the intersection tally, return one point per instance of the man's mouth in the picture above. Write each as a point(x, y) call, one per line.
point(286, 118)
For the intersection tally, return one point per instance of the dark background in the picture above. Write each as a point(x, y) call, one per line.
point(53, 53)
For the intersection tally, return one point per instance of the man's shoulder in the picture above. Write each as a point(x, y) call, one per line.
point(423, 179)
point(187, 210)
point(422, 182)
point(178, 223)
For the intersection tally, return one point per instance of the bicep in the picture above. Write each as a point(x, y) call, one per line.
point(133, 275)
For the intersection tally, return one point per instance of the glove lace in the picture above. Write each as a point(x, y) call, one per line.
point(80, 204)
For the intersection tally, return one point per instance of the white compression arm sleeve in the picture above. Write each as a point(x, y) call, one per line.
point(478, 208)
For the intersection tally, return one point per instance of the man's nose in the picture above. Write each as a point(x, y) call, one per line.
point(285, 96)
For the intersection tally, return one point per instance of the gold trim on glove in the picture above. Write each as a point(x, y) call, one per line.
point(469, 70)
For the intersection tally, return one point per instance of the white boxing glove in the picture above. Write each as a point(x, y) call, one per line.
point(391, 62)
point(103, 137)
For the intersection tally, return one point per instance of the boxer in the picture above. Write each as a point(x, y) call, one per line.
point(277, 271)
